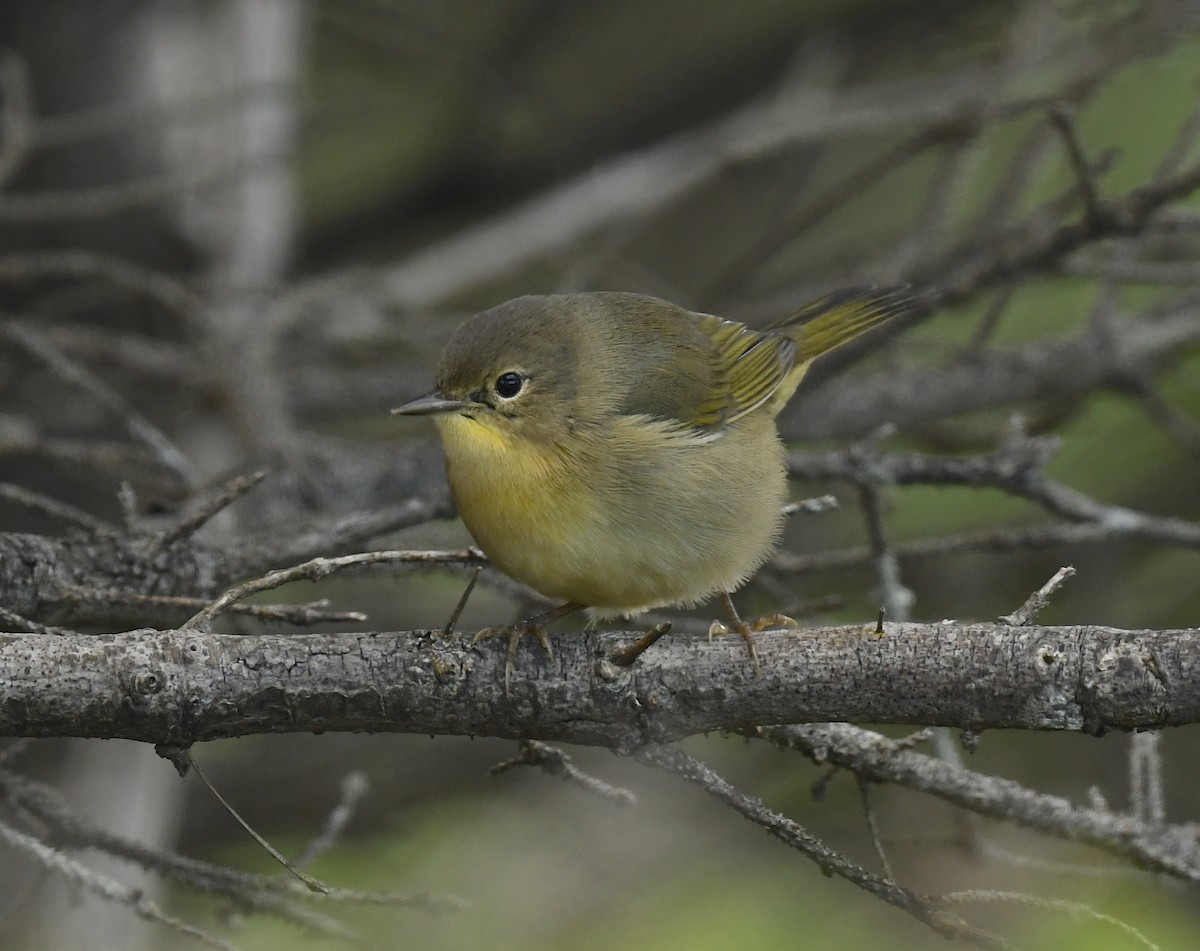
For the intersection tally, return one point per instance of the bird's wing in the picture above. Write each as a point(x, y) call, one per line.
point(749, 365)
point(705, 372)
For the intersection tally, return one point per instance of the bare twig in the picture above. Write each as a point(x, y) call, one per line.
point(1004, 539)
point(864, 793)
point(815, 505)
point(557, 763)
point(897, 599)
point(1169, 849)
point(79, 376)
point(1074, 909)
point(32, 627)
point(830, 862)
point(281, 896)
point(103, 886)
point(638, 184)
point(117, 350)
point(311, 612)
point(317, 568)
point(627, 655)
point(171, 294)
point(1037, 601)
point(308, 880)
point(718, 290)
point(16, 115)
point(338, 534)
point(104, 200)
point(1062, 116)
point(1062, 369)
point(37, 502)
point(1012, 469)
point(462, 602)
point(1146, 798)
point(353, 787)
point(205, 509)
point(1185, 429)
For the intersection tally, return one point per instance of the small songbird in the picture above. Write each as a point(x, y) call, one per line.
point(618, 452)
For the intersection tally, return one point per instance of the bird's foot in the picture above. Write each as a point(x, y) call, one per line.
point(514, 633)
point(531, 627)
point(746, 630)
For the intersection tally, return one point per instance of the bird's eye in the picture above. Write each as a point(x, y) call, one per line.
point(509, 384)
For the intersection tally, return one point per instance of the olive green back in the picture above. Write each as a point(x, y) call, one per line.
point(651, 357)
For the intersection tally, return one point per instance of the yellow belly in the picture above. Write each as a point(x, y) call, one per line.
point(614, 529)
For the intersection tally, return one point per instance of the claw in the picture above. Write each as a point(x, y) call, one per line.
point(741, 628)
point(748, 636)
point(514, 633)
point(534, 626)
point(771, 621)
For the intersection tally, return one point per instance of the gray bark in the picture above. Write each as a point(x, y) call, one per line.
point(179, 687)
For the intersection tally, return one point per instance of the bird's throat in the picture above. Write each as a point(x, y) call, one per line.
point(516, 495)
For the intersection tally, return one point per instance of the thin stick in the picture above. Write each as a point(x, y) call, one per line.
point(1146, 800)
point(307, 879)
point(37, 502)
point(317, 568)
point(462, 602)
point(1037, 601)
point(1063, 118)
point(554, 761)
point(104, 886)
point(33, 627)
point(1075, 909)
point(310, 612)
point(864, 792)
point(792, 834)
point(819, 503)
point(81, 377)
point(897, 599)
point(226, 495)
point(627, 655)
point(353, 787)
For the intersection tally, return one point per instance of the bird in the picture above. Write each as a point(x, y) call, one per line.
point(618, 453)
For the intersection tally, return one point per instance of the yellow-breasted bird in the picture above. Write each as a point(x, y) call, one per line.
point(618, 452)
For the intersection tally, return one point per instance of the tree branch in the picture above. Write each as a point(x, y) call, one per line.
point(1153, 845)
point(177, 688)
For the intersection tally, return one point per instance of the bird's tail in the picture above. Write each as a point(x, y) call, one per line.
point(841, 316)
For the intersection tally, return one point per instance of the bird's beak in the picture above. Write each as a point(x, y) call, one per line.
point(430, 404)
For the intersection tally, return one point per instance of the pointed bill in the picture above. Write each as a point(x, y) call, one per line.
point(430, 404)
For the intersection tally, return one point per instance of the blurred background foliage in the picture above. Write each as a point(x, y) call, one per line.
point(417, 122)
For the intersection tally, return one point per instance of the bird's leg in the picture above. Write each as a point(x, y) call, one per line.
point(747, 631)
point(534, 626)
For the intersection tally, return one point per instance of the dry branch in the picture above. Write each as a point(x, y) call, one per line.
point(180, 687)
point(870, 756)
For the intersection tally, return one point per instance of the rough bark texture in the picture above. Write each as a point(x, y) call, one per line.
point(178, 687)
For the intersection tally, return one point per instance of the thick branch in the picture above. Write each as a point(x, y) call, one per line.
point(108, 578)
point(180, 687)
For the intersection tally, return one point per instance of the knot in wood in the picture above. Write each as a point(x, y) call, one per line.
point(145, 685)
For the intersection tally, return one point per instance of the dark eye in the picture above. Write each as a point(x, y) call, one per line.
point(509, 384)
